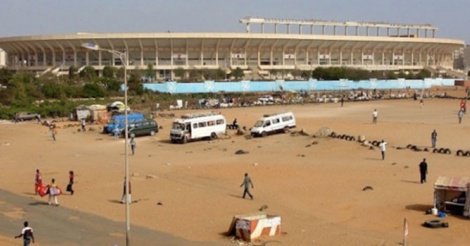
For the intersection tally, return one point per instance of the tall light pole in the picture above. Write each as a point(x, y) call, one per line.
point(124, 60)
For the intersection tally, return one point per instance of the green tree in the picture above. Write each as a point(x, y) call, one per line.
point(52, 90)
point(93, 90)
point(109, 72)
point(88, 73)
point(150, 72)
point(72, 72)
point(237, 73)
point(179, 72)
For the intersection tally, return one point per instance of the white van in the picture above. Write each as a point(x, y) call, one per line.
point(273, 123)
point(197, 126)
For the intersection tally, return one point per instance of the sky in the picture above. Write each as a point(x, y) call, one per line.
point(41, 17)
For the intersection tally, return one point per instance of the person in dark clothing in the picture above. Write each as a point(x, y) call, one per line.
point(27, 234)
point(247, 183)
point(70, 185)
point(342, 101)
point(423, 170)
point(434, 138)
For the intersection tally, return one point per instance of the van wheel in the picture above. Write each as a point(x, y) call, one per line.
point(152, 133)
point(286, 129)
point(264, 134)
point(213, 135)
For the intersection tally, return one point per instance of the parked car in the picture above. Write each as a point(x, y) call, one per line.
point(22, 116)
point(142, 128)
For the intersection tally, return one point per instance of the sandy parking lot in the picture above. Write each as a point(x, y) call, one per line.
point(317, 189)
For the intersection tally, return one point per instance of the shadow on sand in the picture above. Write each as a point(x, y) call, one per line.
point(36, 203)
point(410, 181)
point(419, 207)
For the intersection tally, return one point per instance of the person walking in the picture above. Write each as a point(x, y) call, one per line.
point(37, 182)
point(53, 191)
point(53, 132)
point(375, 114)
point(26, 234)
point(247, 183)
point(83, 124)
point(133, 145)
point(460, 115)
point(125, 198)
point(423, 170)
point(383, 148)
point(434, 138)
point(342, 100)
point(70, 184)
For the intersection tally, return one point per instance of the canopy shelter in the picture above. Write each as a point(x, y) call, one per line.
point(452, 194)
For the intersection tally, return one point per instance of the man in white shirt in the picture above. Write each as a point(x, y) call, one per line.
point(382, 147)
point(375, 114)
point(27, 234)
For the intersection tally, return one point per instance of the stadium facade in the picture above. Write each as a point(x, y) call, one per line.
point(273, 47)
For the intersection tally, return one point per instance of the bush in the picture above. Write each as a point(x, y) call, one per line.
point(93, 90)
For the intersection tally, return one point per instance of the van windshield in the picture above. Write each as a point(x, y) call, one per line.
point(259, 123)
point(178, 126)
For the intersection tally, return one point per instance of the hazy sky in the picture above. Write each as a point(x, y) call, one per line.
point(36, 17)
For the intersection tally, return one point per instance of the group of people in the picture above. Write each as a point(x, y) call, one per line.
point(52, 189)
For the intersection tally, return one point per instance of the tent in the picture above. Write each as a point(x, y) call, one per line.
point(452, 194)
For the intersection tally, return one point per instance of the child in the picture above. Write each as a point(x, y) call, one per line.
point(70, 185)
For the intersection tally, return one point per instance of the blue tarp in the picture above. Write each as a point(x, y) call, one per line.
point(281, 85)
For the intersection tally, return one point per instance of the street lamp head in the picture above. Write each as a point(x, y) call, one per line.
point(91, 46)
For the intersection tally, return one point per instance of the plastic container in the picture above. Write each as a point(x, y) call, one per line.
point(434, 211)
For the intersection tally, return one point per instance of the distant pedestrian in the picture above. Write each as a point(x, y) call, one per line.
point(71, 181)
point(53, 191)
point(460, 115)
point(423, 170)
point(125, 198)
point(421, 102)
point(37, 182)
point(383, 148)
point(83, 124)
point(116, 132)
point(53, 132)
point(375, 115)
point(434, 138)
point(342, 100)
point(247, 183)
point(26, 234)
point(463, 105)
point(133, 145)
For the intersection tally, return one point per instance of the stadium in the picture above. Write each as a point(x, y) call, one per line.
point(268, 46)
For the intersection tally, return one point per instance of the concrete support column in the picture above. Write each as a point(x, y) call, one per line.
point(388, 31)
point(288, 28)
point(357, 30)
point(262, 27)
point(99, 58)
point(87, 59)
point(334, 30)
point(275, 28)
point(367, 31)
point(323, 30)
point(311, 29)
point(383, 57)
point(341, 56)
point(300, 28)
point(345, 30)
point(378, 32)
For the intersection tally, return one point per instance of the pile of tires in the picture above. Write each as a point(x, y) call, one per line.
point(462, 153)
point(435, 224)
point(442, 151)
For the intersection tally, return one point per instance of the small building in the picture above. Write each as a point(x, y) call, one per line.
point(98, 113)
point(251, 226)
point(451, 194)
point(81, 112)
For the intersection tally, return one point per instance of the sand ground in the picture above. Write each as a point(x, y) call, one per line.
point(317, 189)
